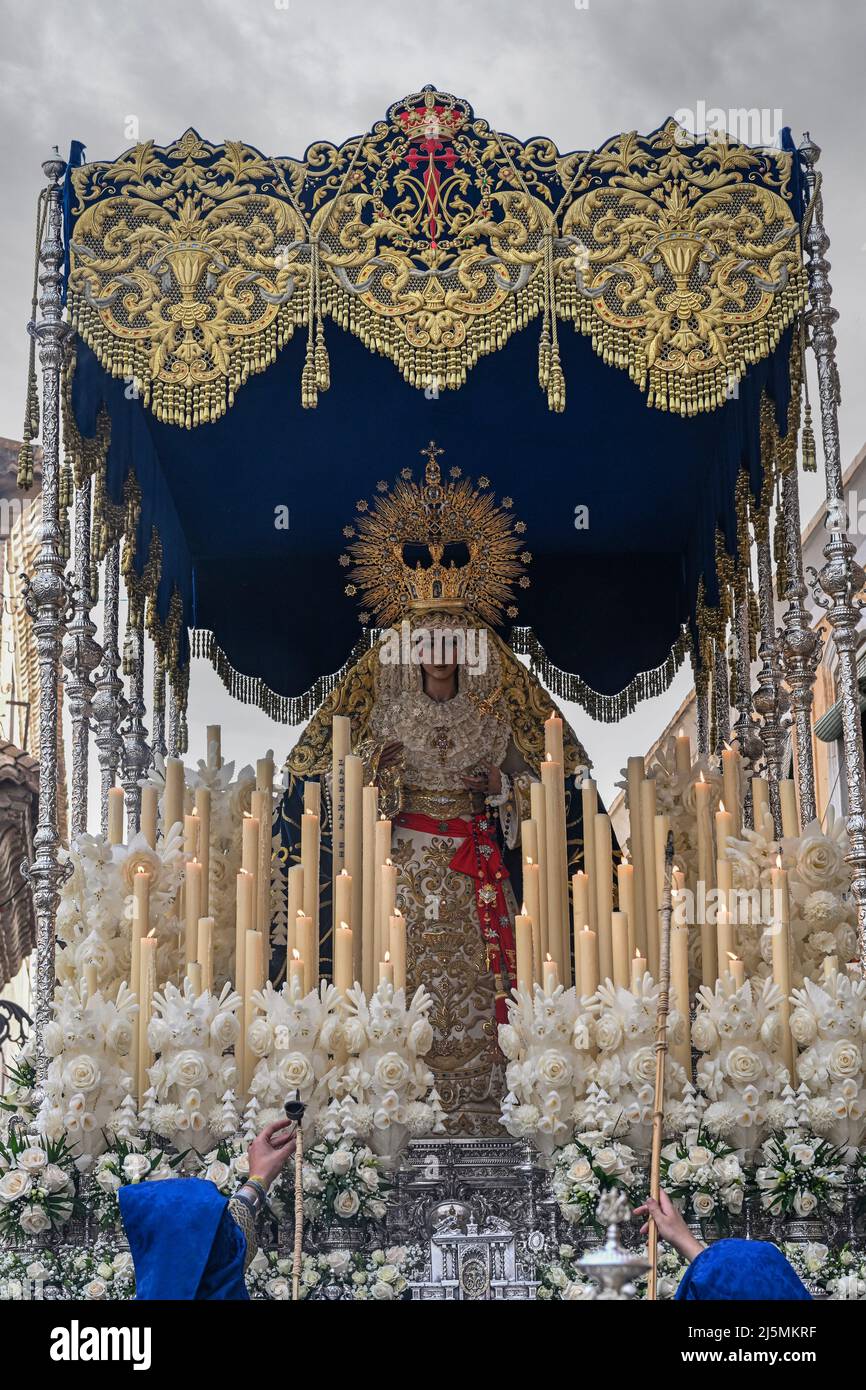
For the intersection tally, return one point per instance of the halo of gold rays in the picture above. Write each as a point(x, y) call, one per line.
point(435, 513)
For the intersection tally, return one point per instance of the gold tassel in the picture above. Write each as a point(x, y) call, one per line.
point(810, 462)
point(556, 383)
point(25, 466)
point(323, 366)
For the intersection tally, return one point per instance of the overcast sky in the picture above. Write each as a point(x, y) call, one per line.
point(279, 75)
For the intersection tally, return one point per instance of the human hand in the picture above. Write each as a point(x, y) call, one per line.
point(489, 781)
point(270, 1150)
point(671, 1225)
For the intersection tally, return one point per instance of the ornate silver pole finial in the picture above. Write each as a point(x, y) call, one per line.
point(46, 601)
point(767, 696)
point(612, 1265)
point(109, 706)
point(841, 578)
point(81, 656)
point(136, 753)
point(800, 646)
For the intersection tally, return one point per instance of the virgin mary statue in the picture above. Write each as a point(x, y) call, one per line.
point(450, 727)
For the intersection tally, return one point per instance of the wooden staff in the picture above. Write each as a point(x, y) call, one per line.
point(661, 1055)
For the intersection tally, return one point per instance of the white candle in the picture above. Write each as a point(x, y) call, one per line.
point(635, 775)
point(589, 811)
point(381, 853)
point(538, 805)
point(619, 933)
point(661, 830)
point(386, 970)
point(310, 862)
point(91, 979)
point(254, 979)
point(604, 893)
point(736, 969)
point(683, 755)
point(147, 989)
point(790, 817)
point(192, 901)
point(341, 744)
point(213, 741)
point(580, 918)
point(625, 889)
point(190, 835)
point(588, 944)
point(682, 1051)
point(551, 975)
point(202, 810)
point(397, 948)
point(205, 952)
point(725, 830)
point(731, 784)
point(780, 934)
point(648, 855)
point(149, 813)
point(532, 909)
point(369, 815)
point(194, 975)
point(115, 815)
point(140, 929)
point(343, 958)
point(244, 907)
point(343, 897)
point(638, 969)
point(523, 945)
point(760, 801)
point(354, 777)
point(308, 945)
point(703, 793)
point(172, 797)
point(551, 778)
point(295, 904)
point(296, 975)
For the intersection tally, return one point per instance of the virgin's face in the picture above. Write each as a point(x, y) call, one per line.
point(441, 672)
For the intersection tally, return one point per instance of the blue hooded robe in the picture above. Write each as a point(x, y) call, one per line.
point(748, 1270)
point(183, 1240)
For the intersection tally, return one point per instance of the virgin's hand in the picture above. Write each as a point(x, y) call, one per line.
point(489, 782)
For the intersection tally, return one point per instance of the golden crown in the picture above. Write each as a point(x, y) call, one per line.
point(434, 517)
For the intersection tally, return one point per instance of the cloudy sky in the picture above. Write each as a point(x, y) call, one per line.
point(280, 73)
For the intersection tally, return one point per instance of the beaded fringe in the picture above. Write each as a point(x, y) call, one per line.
point(608, 709)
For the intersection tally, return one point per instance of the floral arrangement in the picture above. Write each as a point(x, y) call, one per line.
point(561, 1279)
point(588, 1166)
point(122, 1165)
point(294, 1038)
point(838, 1273)
point(343, 1181)
point(37, 1186)
point(23, 1277)
point(193, 1077)
point(702, 1174)
point(382, 1090)
point(829, 1022)
point(624, 1032)
point(381, 1275)
point(20, 1079)
point(88, 1078)
point(95, 911)
point(671, 1268)
point(802, 1175)
point(737, 1031)
point(98, 1273)
point(547, 1042)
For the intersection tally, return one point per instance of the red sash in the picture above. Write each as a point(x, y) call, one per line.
point(479, 857)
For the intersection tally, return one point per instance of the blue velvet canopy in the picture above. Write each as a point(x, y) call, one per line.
point(666, 276)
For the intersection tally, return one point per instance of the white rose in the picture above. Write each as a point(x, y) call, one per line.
point(803, 1154)
point(32, 1160)
point(742, 1065)
point(123, 1262)
point(844, 1060)
point(608, 1032)
point(52, 1038)
point(421, 1037)
point(804, 1027)
point(733, 1197)
point(704, 1204)
point(580, 1170)
point(804, 1202)
point(382, 1292)
point(218, 1172)
point(278, 1289)
point(339, 1262)
point(294, 1071)
point(727, 1169)
point(819, 861)
point(346, 1204)
point(354, 1035)
point(118, 1037)
point(509, 1041)
point(311, 1180)
point(54, 1178)
point(34, 1220)
point(704, 1033)
point(224, 1030)
point(107, 1181)
point(260, 1036)
point(369, 1177)
point(14, 1184)
point(642, 1066)
point(391, 1071)
point(95, 1290)
point(188, 1069)
point(699, 1156)
point(339, 1162)
point(554, 1069)
point(607, 1160)
point(679, 1172)
point(81, 1074)
point(135, 1166)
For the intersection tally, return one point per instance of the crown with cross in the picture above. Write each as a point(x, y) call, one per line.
point(430, 519)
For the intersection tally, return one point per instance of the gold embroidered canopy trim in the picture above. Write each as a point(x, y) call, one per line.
point(433, 238)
